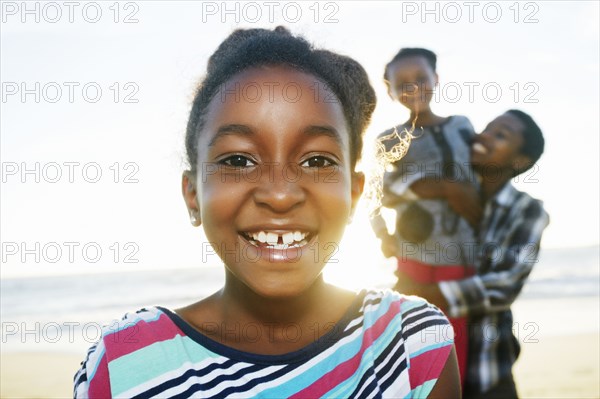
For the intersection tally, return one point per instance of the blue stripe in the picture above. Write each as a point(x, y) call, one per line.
point(322, 367)
point(430, 348)
point(390, 335)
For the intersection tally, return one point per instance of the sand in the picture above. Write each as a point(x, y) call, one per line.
point(566, 366)
point(37, 374)
point(560, 367)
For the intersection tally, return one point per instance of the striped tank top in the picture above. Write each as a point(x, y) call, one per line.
point(386, 346)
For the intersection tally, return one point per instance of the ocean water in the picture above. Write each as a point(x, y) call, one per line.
point(66, 312)
point(572, 272)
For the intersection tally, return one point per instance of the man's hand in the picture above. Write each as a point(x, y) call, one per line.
point(462, 197)
point(465, 200)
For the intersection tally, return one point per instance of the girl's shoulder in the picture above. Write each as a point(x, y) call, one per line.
point(134, 331)
point(425, 331)
point(135, 324)
point(414, 312)
point(132, 336)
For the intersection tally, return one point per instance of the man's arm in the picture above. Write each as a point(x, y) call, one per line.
point(497, 289)
point(462, 197)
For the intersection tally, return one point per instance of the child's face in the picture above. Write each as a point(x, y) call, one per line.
point(274, 186)
point(500, 144)
point(412, 82)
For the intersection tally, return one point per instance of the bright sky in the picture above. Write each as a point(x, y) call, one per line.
point(105, 87)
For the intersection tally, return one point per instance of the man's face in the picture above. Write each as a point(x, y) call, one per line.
point(499, 145)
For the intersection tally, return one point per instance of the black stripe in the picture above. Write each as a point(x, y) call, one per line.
point(190, 373)
point(371, 301)
point(385, 383)
point(371, 388)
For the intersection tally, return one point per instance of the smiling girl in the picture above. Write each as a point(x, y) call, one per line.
point(273, 137)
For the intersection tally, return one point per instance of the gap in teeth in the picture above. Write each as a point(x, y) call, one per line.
point(275, 239)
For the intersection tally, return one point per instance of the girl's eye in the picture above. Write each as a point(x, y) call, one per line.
point(237, 161)
point(317, 162)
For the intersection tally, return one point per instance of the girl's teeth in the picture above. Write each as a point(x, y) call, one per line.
point(287, 238)
point(272, 238)
point(262, 236)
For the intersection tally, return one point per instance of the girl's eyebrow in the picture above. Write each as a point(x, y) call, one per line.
point(324, 130)
point(244, 130)
point(231, 129)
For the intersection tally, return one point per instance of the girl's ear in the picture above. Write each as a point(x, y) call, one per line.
point(358, 185)
point(190, 196)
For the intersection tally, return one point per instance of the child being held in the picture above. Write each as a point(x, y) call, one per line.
point(434, 238)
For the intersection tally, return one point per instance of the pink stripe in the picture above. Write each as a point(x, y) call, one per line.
point(428, 366)
point(140, 335)
point(100, 385)
point(344, 370)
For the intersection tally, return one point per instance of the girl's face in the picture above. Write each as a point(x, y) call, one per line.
point(274, 188)
point(412, 82)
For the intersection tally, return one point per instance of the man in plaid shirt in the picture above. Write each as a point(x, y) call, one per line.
point(509, 234)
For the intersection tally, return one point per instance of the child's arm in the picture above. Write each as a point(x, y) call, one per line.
point(508, 268)
point(448, 383)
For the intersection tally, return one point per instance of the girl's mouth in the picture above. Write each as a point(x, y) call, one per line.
point(280, 240)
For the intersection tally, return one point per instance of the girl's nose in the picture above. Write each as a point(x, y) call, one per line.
point(280, 189)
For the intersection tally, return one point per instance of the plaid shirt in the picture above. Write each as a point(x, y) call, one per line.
point(510, 235)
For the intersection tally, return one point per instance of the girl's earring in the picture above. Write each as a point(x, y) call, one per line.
point(194, 219)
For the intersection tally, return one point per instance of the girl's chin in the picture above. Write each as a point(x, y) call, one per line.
point(281, 289)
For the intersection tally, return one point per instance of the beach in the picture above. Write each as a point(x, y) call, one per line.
point(564, 366)
point(556, 320)
point(37, 374)
point(554, 363)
